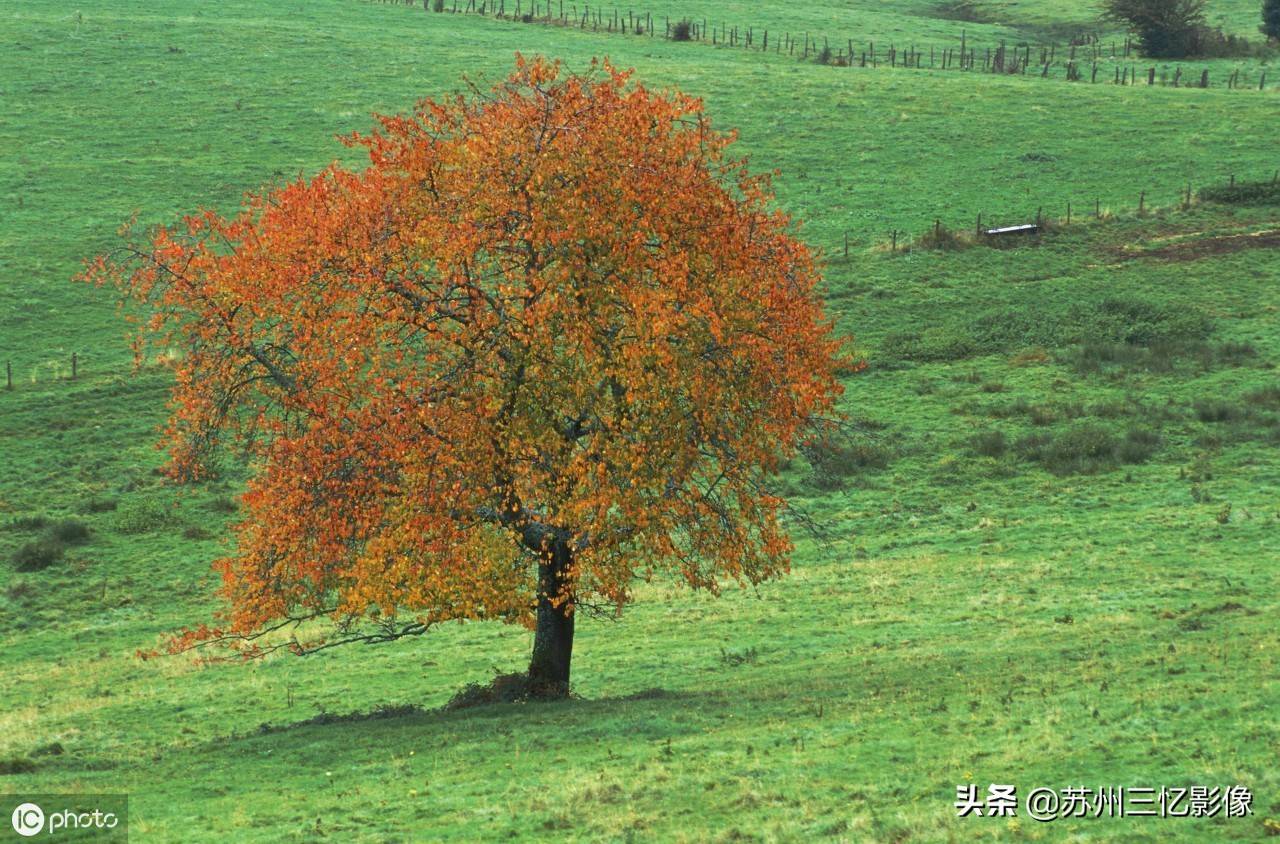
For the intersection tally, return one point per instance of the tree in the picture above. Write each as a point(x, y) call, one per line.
point(1271, 19)
point(1165, 28)
point(552, 339)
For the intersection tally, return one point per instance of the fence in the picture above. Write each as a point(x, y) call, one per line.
point(899, 240)
point(1084, 59)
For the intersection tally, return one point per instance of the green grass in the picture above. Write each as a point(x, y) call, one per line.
point(1047, 612)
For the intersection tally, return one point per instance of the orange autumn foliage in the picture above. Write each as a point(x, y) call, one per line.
point(559, 304)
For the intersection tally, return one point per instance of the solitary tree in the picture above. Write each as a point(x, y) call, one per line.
point(1271, 19)
point(1165, 28)
point(551, 340)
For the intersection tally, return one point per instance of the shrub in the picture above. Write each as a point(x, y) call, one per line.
point(16, 765)
point(1216, 410)
point(991, 443)
point(70, 531)
point(1081, 448)
point(1138, 322)
point(1243, 193)
point(939, 343)
point(682, 31)
point(1271, 18)
point(437, 6)
point(99, 505)
point(1234, 354)
point(38, 555)
point(1165, 28)
point(942, 238)
point(1137, 446)
point(834, 461)
point(1042, 415)
point(141, 517)
point(825, 56)
point(1086, 448)
point(27, 523)
point(1268, 396)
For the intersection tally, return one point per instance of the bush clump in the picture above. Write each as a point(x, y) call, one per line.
point(1217, 410)
point(934, 344)
point(99, 505)
point(1126, 330)
point(682, 31)
point(1243, 193)
point(991, 443)
point(834, 461)
point(1175, 29)
point(1087, 448)
point(143, 516)
point(38, 555)
point(27, 523)
point(70, 531)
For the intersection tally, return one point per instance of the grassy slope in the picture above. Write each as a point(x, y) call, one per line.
point(918, 650)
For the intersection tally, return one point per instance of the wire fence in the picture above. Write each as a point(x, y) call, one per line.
point(1086, 58)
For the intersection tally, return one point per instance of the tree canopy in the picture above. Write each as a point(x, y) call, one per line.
point(552, 339)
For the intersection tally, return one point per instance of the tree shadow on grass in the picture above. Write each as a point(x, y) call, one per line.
point(647, 713)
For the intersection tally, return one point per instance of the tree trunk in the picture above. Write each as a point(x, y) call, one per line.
point(553, 636)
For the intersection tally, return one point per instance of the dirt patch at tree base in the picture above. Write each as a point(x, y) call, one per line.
point(506, 688)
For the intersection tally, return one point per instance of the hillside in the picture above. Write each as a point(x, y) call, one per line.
point(1052, 544)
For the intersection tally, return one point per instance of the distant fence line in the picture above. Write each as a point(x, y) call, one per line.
point(1096, 210)
point(1080, 60)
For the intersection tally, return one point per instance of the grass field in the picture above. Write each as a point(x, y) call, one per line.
point(1054, 544)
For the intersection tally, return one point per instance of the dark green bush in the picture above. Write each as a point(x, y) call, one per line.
point(682, 31)
point(27, 523)
point(992, 443)
point(99, 505)
point(38, 555)
point(1124, 330)
point(835, 460)
point(1083, 448)
point(941, 343)
point(70, 531)
point(141, 517)
point(16, 765)
point(1217, 410)
point(1165, 28)
point(1243, 193)
point(1265, 397)
point(1087, 447)
point(1137, 446)
point(1137, 322)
